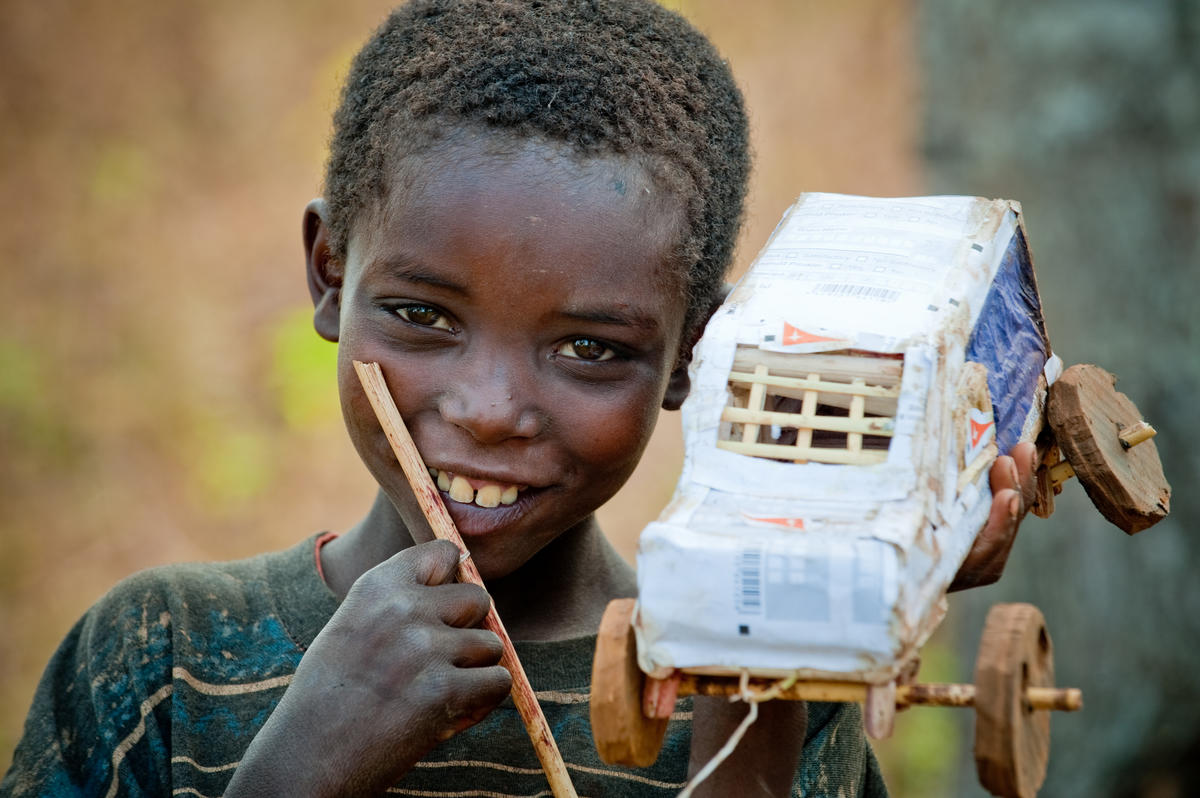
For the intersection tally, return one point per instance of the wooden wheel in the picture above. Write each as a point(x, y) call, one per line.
point(623, 734)
point(1126, 483)
point(1012, 740)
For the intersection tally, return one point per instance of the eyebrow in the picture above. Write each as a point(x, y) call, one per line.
point(415, 272)
point(632, 319)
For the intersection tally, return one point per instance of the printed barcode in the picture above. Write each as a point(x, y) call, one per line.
point(859, 291)
point(749, 582)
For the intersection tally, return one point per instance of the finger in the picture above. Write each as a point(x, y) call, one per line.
point(1025, 456)
point(985, 561)
point(460, 605)
point(477, 692)
point(432, 563)
point(996, 540)
point(483, 688)
point(476, 648)
point(1004, 475)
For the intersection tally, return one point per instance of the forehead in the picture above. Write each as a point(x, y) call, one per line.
point(531, 204)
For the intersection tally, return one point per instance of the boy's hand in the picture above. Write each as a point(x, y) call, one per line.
point(1013, 488)
point(399, 668)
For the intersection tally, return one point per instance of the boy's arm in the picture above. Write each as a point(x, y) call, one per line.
point(400, 667)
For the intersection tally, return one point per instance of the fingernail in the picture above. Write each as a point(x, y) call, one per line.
point(1014, 507)
point(1033, 461)
point(1012, 470)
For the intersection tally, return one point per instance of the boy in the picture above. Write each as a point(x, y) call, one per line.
point(529, 209)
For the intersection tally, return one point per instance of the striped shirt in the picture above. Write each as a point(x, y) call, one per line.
point(161, 686)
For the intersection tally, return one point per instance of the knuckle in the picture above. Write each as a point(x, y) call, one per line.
point(417, 638)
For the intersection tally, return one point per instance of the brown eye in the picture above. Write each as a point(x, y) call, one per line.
point(585, 349)
point(424, 316)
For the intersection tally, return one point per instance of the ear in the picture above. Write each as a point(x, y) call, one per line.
point(324, 271)
point(679, 384)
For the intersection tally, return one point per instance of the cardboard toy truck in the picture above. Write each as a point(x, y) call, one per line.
point(848, 400)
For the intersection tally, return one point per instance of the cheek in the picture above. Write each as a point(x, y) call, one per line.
point(610, 435)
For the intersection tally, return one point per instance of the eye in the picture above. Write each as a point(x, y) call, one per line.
point(424, 316)
point(585, 349)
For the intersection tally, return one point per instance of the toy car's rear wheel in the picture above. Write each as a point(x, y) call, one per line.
point(623, 734)
point(1012, 740)
point(1087, 414)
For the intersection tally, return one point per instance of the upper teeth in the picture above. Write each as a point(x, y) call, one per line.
point(461, 490)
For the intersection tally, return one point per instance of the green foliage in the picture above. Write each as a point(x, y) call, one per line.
point(921, 757)
point(303, 372)
point(229, 463)
point(28, 421)
point(121, 173)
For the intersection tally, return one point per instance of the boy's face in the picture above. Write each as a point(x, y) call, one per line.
point(527, 313)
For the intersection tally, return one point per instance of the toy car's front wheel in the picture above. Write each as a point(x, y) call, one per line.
point(623, 733)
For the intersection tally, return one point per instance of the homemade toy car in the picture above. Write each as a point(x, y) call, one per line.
point(847, 402)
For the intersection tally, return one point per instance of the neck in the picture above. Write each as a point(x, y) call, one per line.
point(562, 591)
point(559, 593)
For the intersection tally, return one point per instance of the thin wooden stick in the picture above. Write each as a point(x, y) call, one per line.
point(810, 384)
point(780, 452)
point(1061, 472)
point(808, 407)
point(758, 398)
point(854, 439)
point(876, 370)
point(371, 377)
point(1139, 432)
point(877, 425)
point(1061, 699)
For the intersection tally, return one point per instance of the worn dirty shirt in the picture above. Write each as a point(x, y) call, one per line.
point(161, 686)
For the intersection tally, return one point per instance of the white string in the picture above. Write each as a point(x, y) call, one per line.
point(743, 694)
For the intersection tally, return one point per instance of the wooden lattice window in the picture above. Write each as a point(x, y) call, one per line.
point(828, 408)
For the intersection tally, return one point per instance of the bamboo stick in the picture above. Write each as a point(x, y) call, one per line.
point(1062, 699)
point(982, 460)
point(758, 398)
point(880, 425)
point(780, 452)
point(371, 377)
point(874, 405)
point(810, 384)
point(1138, 433)
point(875, 370)
point(1061, 472)
point(854, 439)
point(808, 407)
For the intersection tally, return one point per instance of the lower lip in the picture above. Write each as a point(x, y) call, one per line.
point(474, 521)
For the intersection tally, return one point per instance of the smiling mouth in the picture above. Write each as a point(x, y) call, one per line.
point(480, 492)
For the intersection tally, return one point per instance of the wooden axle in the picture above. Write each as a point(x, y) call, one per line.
point(1064, 699)
point(1129, 437)
point(1139, 432)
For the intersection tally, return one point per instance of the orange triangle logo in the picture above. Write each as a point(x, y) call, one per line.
point(978, 430)
point(794, 335)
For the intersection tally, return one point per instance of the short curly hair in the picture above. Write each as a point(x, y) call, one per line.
point(605, 77)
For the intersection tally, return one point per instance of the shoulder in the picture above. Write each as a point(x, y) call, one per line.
point(142, 673)
point(219, 616)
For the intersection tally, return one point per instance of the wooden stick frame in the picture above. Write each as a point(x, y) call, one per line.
point(858, 383)
point(371, 377)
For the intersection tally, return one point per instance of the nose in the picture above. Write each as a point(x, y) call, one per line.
point(492, 399)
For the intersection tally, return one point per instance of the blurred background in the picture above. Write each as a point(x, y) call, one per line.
point(163, 396)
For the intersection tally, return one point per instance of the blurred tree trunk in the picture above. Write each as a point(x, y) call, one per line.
point(1089, 113)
